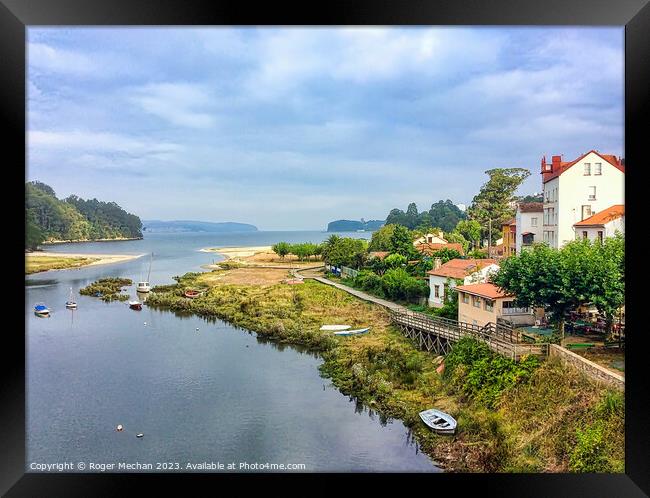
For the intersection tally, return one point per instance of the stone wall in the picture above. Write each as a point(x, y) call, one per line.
point(593, 370)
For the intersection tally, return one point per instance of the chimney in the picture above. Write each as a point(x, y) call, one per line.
point(437, 263)
point(557, 161)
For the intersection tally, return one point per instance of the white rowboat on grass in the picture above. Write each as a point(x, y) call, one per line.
point(438, 421)
point(335, 327)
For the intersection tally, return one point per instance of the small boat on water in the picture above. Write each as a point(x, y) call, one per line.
point(144, 285)
point(335, 327)
point(191, 293)
point(139, 435)
point(353, 332)
point(41, 310)
point(135, 305)
point(71, 304)
point(119, 428)
point(438, 421)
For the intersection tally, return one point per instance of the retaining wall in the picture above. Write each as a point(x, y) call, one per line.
point(593, 370)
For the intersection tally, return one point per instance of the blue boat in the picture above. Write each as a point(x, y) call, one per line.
point(353, 332)
point(41, 310)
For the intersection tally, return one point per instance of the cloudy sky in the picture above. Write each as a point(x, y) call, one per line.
point(290, 128)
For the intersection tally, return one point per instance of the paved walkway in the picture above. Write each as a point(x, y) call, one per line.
point(360, 294)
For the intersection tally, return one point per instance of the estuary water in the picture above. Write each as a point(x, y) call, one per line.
point(201, 391)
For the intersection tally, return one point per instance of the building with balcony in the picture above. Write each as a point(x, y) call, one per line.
point(482, 303)
point(528, 221)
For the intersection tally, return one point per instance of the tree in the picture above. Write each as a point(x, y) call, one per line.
point(394, 261)
point(537, 277)
point(445, 214)
point(33, 234)
point(458, 238)
point(281, 249)
point(582, 272)
point(402, 242)
point(492, 203)
point(380, 240)
point(345, 251)
point(470, 230)
point(446, 254)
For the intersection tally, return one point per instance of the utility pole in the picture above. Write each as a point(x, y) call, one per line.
point(490, 237)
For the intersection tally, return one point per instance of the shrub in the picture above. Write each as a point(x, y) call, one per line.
point(588, 455)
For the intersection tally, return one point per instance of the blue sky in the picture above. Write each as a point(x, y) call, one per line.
point(290, 128)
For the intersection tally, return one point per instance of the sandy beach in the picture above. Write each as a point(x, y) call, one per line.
point(238, 252)
point(43, 258)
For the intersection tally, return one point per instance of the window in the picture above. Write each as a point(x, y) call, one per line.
point(587, 169)
point(533, 222)
point(598, 168)
point(465, 298)
point(584, 235)
point(489, 305)
point(476, 302)
point(547, 195)
point(586, 212)
point(436, 290)
point(592, 193)
point(600, 236)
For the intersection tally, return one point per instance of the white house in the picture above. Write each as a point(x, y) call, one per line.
point(575, 190)
point(529, 224)
point(457, 272)
point(603, 224)
point(431, 238)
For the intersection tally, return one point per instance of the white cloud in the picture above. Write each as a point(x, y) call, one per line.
point(177, 103)
point(98, 142)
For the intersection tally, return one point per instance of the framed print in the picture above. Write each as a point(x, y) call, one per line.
point(274, 242)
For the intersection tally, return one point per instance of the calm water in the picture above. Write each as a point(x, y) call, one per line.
point(216, 394)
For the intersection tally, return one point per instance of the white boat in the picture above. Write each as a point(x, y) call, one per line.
point(139, 435)
point(335, 327)
point(353, 332)
point(438, 421)
point(144, 285)
point(135, 305)
point(71, 303)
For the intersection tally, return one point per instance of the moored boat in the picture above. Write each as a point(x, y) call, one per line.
point(438, 421)
point(41, 310)
point(335, 327)
point(191, 293)
point(71, 303)
point(353, 332)
point(144, 285)
point(135, 305)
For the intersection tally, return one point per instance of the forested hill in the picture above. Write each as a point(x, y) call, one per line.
point(50, 219)
point(443, 214)
point(353, 226)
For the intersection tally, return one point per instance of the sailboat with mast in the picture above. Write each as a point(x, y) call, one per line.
point(144, 285)
point(71, 304)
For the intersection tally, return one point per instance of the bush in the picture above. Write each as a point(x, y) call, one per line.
point(485, 375)
point(589, 453)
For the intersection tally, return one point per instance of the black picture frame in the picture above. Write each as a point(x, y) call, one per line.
point(16, 15)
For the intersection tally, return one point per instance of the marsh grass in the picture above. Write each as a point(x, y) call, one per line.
point(529, 417)
point(108, 289)
point(35, 264)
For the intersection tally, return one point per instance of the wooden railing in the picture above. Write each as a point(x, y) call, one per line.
point(500, 337)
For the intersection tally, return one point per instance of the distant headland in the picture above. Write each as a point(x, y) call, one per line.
point(354, 226)
point(196, 226)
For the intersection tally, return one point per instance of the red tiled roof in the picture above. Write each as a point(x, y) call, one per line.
point(460, 268)
point(531, 207)
point(510, 222)
point(488, 290)
point(378, 254)
point(611, 159)
point(602, 217)
point(431, 247)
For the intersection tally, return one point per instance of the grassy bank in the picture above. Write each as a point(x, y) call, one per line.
point(108, 289)
point(37, 263)
point(512, 417)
